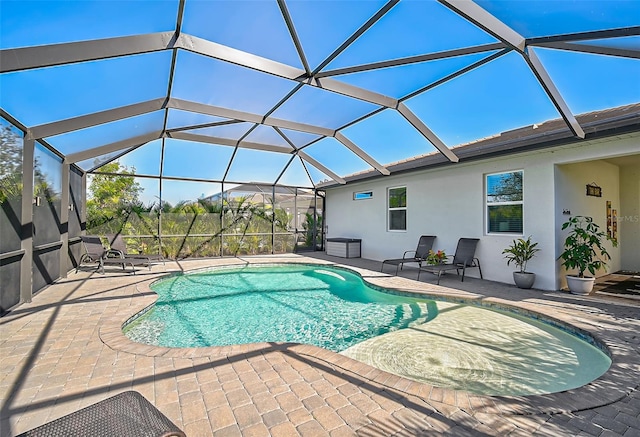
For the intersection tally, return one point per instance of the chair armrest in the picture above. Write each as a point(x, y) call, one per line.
point(409, 251)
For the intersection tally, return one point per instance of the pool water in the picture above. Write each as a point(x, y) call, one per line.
point(325, 307)
point(446, 344)
point(485, 351)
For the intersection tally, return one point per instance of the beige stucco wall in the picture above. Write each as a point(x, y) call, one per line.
point(629, 217)
point(571, 181)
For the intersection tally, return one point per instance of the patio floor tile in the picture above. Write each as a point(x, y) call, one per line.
point(64, 351)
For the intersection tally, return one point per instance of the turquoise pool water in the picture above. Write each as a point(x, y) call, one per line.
point(326, 307)
point(447, 344)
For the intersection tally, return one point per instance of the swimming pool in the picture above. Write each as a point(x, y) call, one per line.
point(322, 306)
point(481, 350)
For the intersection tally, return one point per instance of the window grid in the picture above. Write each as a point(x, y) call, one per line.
point(397, 206)
point(504, 202)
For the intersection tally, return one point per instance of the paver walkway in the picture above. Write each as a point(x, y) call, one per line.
point(64, 351)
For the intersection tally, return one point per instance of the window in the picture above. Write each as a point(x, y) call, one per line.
point(504, 203)
point(398, 209)
point(361, 195)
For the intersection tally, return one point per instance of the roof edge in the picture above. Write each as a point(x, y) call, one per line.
point(553, 133)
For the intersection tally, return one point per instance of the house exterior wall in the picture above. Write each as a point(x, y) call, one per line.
point(449, 202)
point(571, 181)
point(629, 218)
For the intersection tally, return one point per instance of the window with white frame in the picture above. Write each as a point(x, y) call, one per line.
point(397, 204)
point(363, 195)
point(504, 202)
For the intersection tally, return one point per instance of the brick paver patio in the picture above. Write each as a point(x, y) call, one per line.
point(65, 350)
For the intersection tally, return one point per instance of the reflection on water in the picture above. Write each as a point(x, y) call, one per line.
point(485, 352)
point(444, 344)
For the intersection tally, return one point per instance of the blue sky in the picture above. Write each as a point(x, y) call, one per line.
point(501, 95)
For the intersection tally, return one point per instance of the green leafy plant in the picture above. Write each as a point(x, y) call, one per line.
point(434, 258)
point(310, 225)
point(520, 252)
point(584, 246)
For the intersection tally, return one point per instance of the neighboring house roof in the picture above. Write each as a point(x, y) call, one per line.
point(263, 190)
point(597, 124)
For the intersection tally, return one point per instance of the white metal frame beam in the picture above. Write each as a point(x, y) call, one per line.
point(321, 167)
point(487, 22)
point(27, 58)
point(20, 59)
point(230, 142)
point(490, 24)
point(427, 133)
point(203, 108)
point(413, 60)
point(112, 147)
point(550, 88)
point(361, 153)
point(90, 120)
point(256, 146)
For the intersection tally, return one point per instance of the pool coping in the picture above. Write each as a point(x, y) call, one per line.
point(616, 383)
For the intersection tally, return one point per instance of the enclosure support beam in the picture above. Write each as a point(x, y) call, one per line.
point(113, 147)
point(294, 35)
point(412, 60)
point(64, 221)
point(273, 219)
point(321, 167)
point(426, 132)
point(228, 142)
point(593, 49)
point(487, 22)
point(556, 98)
point(361, 154)
point(90, 120)
point(26, 219)
point(50, 55)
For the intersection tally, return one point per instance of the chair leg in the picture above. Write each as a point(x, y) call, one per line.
point(439, 274)
point(479, 269)
point(463, 270)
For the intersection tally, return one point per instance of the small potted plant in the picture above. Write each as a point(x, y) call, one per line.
point(435, 258)
point(520, 252)
point(584, 250)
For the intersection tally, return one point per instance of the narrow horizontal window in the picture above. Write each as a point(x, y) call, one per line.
point(361, 195)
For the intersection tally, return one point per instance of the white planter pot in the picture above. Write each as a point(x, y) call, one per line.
point(524, 279)
point(580, 285)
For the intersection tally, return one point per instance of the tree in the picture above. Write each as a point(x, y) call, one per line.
point(10, 164)
point(110, 192)
point(114, 188)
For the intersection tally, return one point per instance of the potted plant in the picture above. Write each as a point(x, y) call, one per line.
point(584, 250)
point(520, 252)
point(435, 258)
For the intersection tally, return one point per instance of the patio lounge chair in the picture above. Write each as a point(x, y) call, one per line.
point(125, 414)
point(95, 252)
point(119, 247)
point(418, 256)
point(463, 259)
